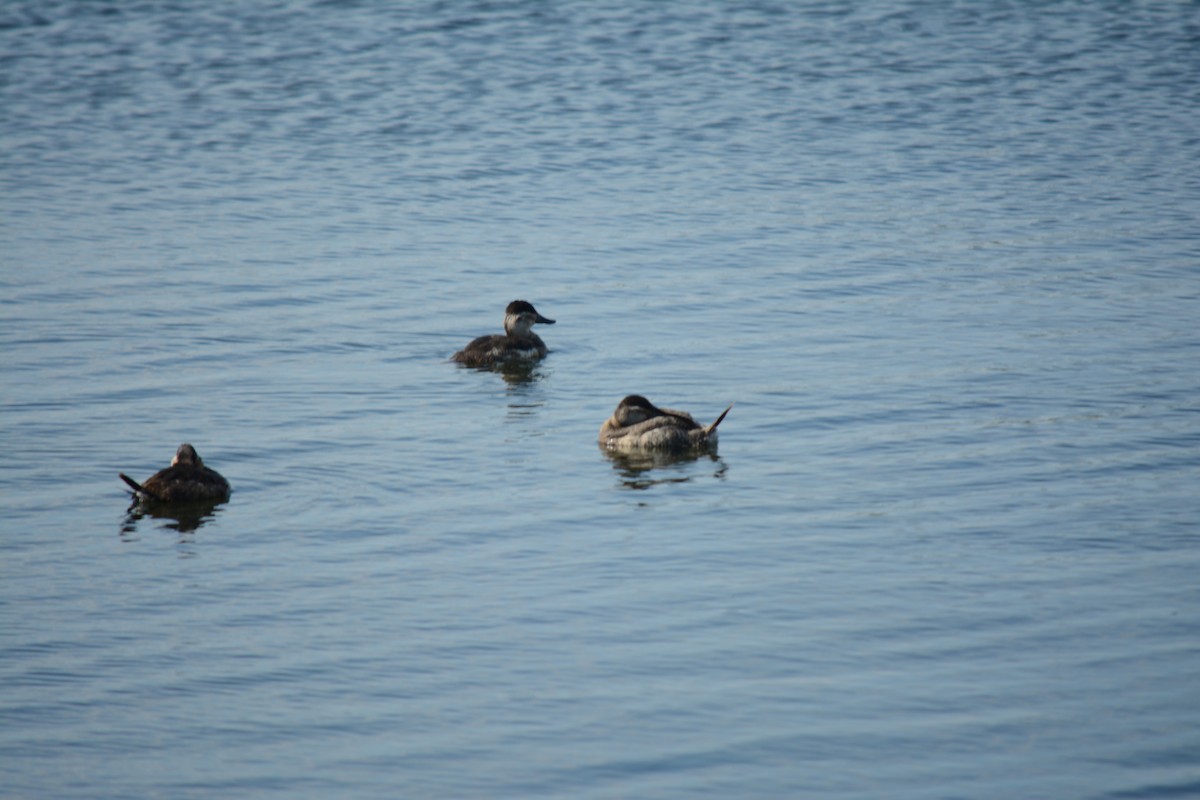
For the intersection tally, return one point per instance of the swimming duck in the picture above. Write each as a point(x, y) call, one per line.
point(187, 480)
point(518, 341)
point(639, 424)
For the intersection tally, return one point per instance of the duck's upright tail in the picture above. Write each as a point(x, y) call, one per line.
point(138, 491)
point(708, 431)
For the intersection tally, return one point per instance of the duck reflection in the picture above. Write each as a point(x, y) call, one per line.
point(182, 518)
point(517, 373)
point(635, 467)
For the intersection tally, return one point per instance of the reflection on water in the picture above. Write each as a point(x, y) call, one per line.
point(517, 373)
point(517, 410)
point(634, 467)
point(183, 518)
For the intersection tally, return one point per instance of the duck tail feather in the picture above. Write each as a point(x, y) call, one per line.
point(713, 427)
point(137, 487)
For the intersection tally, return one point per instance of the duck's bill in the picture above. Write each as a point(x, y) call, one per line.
point(544, 320)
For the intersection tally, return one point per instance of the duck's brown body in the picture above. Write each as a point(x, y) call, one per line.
point(518, 342)
point(187, 480)
point(637, 424)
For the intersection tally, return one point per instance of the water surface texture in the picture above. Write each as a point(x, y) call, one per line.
point(943, 257)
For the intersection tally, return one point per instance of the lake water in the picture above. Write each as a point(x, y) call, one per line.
point(943, 257)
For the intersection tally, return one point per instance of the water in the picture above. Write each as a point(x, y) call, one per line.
point(942, 257)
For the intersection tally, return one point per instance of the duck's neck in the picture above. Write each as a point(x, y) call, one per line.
point(517, 328)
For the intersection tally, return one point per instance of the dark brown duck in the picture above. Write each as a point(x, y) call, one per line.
point(187, 480)
point(518, 342)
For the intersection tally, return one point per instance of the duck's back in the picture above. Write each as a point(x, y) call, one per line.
point(498, 348)
point(674, 430)
point(187, 483)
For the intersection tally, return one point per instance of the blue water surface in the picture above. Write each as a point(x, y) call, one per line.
point(943, 259)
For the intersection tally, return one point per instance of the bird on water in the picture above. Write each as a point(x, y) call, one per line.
point(638, 424)
point(517, 343)
point(187, 480)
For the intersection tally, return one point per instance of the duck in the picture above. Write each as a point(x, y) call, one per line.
point(638, 424)
point(187, 480)
point(518, 342)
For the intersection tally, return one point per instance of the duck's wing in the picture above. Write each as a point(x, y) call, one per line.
point(482, 350)
point(187, 484)
point(215, 479)
point(669, 419)
point(660, 428)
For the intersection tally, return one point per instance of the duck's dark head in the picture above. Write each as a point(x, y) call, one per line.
point(186, 454)
point(634, 409)
point(520, 316)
